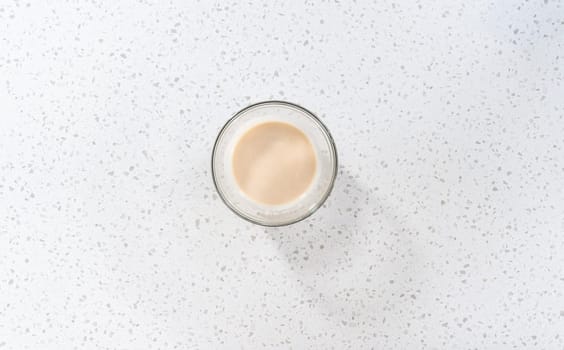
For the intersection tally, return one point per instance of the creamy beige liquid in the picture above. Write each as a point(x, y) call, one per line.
point(274, 163)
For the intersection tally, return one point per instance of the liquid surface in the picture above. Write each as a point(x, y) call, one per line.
point(274, 163)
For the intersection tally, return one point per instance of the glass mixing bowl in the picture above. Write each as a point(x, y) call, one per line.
point(309, 201)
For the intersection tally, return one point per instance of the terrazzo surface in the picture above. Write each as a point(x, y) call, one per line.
point(445, 229)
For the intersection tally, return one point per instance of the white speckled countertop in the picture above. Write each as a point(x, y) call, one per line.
point(445, 229)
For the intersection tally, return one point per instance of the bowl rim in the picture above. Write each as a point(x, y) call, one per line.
point(326, 133)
